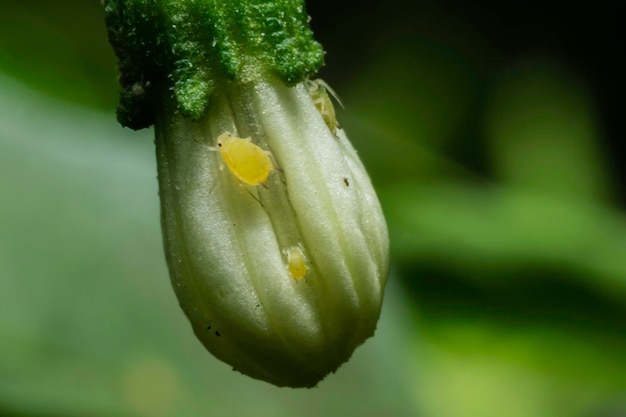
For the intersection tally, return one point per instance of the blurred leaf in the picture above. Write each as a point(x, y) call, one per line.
point(60, 48)
point(488, 231)
point(541, 128)
point(405, 108)
point(414, 85)
point(480, 369)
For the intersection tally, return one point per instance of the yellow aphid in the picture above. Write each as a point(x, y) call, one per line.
point(248, 162)
point(296, 262)
point(318, 89)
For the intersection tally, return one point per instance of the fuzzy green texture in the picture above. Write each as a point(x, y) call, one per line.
point(190, 45)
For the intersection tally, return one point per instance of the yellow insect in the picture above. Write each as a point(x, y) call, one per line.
point(296, 262)
point(248, 162)
point(318, 90)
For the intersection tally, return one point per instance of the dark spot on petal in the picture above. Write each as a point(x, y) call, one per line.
point(345, 181)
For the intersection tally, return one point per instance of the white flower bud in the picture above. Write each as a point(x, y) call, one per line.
point(282, 282)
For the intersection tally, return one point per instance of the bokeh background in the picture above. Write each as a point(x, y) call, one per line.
point(492, 132)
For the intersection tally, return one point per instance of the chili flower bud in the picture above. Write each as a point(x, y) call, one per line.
point(228, 243)
point(274, 237)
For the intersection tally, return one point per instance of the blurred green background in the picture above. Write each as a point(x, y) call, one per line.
point(491, 132)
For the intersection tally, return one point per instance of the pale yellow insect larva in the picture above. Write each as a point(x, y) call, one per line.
point(318, 90)
point(248, 162)
point(296, 262)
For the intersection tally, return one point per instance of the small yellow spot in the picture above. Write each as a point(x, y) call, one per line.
point(318, 90)
point(248, 162)
point(296, 262)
